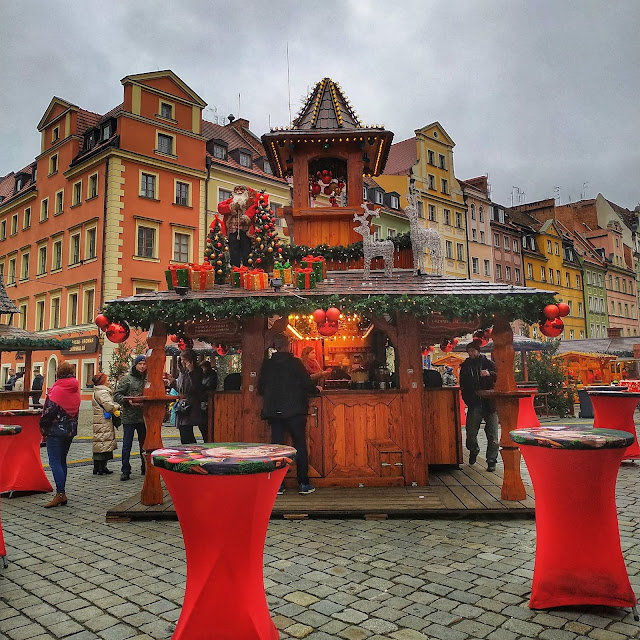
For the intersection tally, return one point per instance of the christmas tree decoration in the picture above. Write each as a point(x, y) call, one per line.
point(173, 338)
point(551, 311)
point(333, 314)
point(266, 241)
point(216, 252)
point(117, 332)
point(551, 328)
point(327, 329)
point(564, 309)
point(102, 322)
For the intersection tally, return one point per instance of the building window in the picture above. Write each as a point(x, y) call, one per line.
point(221, 153)
point(72, 309)
point(56, 260)
point(148, 185)
point(181, 247)
point(166, 110)
point(24, 267)
point(53, 164)
point(529, 271)
point(626, 310)
point(558, 278)
point(445, 186)
point(516, 248)
point(42, 260)
point(90, 249)
point(245, 160)
point(442, 162)
point(473, 211)
point(543, 277)
point(474, 235)
point(557, 248)
point(93, 186)
point(420, 209)
point(505, 243)
point(449, 249)
point(22, 316)
point(11, 276)
point(26, 220)
point(431, 157)
point(567, 280)
point(432, 212)
point(498, 272)
point(182, 193)
point(475, 265)
point(146, 242)
point(432, 182)
point(74, 249)
point(481, 214)
point(88, 371)
point(364, 193)
point(458, 220)
point(88, 311)
point(59, 202)
point(482, 237)
point(517, 272)
point(551, 276)
point(77, 193)
point(14, 224)
point(106, 131)
point(580, 312)
point(54, 316)
point(165, 144)
point(549, 247)
point(55, 134)
point(447, 217)
point(40, 315)
point(507, 273)
point(223, 195)
point(487, 268)
point(496, 240)
point(577, 281)
point(395, 202)
point(3, 229)
point(571, 334)
point(460, 251)
point(391, 233)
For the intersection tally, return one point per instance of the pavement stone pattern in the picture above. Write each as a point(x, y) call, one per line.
point(73, 576)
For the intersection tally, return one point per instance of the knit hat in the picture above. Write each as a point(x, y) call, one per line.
point(99, 379)
point(139, 359)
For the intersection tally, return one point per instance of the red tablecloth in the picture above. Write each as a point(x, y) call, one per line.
point(614, 410)
point(20, 464)
point(578, 555)
point(12, 430)
point(527, 416)
point(223, 504)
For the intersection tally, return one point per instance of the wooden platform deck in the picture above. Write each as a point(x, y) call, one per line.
point(452, 493)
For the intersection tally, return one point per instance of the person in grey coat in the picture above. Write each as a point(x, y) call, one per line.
point(189, 386)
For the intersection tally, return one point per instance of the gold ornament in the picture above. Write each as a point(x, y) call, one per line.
point(250, 261)
point(219, 272)
point(261, 246)
point(219, 262)
point(270, 249)
point(258, 239)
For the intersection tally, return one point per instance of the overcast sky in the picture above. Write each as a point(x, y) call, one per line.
point(536, 94)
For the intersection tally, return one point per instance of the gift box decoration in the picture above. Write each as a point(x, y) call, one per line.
point(238, 275)
point(202, 277)
point(305, 278)
point(317, 264)
point(256, 279)
point(284, 272)
point(179, 275)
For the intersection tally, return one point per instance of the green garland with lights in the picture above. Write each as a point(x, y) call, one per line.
point(174, 313)
point(39, 344)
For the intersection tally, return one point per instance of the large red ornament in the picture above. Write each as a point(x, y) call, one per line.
point(551, 311)
point(564, 309)
point(117, 332)
point(327, 329)
point(326, 179)
point(315, 189)
point(319, 316)
point(333, 314)
point(328, 191)
point(102, 322)
point(552, 328)
point(173, 337)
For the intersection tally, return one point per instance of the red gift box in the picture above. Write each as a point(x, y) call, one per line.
point(238, 275)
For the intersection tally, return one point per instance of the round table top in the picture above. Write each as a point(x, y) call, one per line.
point(10, 429)
point(224, 458)
point(605, 387)
point(21, 412)
point(617, 394)
point(572, 438)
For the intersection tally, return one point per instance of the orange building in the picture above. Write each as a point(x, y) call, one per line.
point(110, 200)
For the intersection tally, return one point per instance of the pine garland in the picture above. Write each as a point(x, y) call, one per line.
point(39, 344)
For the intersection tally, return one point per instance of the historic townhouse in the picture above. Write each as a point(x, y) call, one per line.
point(506, 243)
point(428, 157)
point(478, 222)
point(392, 221)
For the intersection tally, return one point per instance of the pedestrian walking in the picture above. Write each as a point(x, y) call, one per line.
point(59, 423)
point(132, 386)
point(105, 409)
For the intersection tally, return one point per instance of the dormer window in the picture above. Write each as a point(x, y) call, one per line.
point(378, 197)
point(106, 131)
point(219, 151)
point(395, 202)
point(245, 159)
point(19, 183)
point(90, 140)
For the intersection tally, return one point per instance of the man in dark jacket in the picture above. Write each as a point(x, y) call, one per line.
point(286, 386)
point(131, 414)
point(477, 373)
point(36, 385)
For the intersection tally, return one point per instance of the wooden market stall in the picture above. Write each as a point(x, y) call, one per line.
point(586, 369)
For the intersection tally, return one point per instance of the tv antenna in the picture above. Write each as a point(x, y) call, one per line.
point(556, 195)
point(583, 195)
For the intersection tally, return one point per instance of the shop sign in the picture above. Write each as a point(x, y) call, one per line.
point(214, 330)
point(437, 327)
point(83, 344)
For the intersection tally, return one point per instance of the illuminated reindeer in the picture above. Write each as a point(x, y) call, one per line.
point(373, 248)
point(423, 238)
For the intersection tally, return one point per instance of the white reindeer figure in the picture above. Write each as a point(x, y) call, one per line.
point(373, 248)
point(423, 238)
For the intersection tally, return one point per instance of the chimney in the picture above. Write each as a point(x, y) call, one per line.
point(239, 123)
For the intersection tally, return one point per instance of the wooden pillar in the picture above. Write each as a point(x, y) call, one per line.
point(154, 402)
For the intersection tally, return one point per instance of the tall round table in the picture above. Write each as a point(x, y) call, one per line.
point(20, 463)
point(578, 555)
point(6, 430)
point(614, 410)
point(223, 494)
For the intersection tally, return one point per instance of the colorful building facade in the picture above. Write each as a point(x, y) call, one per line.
point(478, 222)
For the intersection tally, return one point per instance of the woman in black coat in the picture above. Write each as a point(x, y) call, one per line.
point(189, 385)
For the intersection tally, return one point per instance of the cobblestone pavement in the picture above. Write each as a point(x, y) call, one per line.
point(73, 576)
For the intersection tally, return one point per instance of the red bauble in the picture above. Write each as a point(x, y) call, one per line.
point(551, 328)
point(222, 350)
point(319, 173)
point(117, 332)
point(219, 245)
point(326, 179)
point(319, 316)
point(173, 337)
point(333, 314)
point(327, 329)
point(328, 191)
point(564, 309)
point(102, 322)
point(454, 342)
point(259, 260)
point(551, 311)
point(446, 347)
point(279, 249)
point(325, 173)
point(315, 189)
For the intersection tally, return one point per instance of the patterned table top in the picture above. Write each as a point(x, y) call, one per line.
point(224, 458)
point(617, 394)
point(573, 438)
point(10, 429)
point(20, 412)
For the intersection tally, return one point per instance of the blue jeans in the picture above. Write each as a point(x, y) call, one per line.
point(127, 442)
point(475, 415)
point(57, 450)
point(296, 427)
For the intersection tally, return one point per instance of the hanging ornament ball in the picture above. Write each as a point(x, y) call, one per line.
point(326, 329)
point(261, 247)
point(327, 191)
point(279, 249)
point(447, 347)
point(315, 189)
point(319, 173)
point(173, 337)
point(341, 185)
point(270, 250)
point(552, 328)
point(551, 311)
point(480, 337)
point(333, 314)
point(250, 261)
point(219, 245)
point(564, 309)
point(319, 316)
point(218, 263)
point(102, 322)
point(219, 272)
point(326, 179)
point(117, 332)
point(325, 172)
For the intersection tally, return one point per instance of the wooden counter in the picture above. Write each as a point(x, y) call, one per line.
point(442, 425)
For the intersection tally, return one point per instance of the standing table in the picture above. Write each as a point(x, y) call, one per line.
point(614, 410)
point(223, 494)
point(20, 462)
point(6, 430)
point(578, 555)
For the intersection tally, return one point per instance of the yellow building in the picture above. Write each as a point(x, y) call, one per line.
point(429, 158)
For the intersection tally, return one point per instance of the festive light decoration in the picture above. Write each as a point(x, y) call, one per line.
point(266, 242)
point(333, 314)
point(551, 311)
point(564, 309)
point(102, 322)
point(217, 252)
point(117, 332)
point(551, 328)
point(373, 248)
point(319, 316)
point(422, 238)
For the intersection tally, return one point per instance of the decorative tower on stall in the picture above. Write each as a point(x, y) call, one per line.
point(326, 152)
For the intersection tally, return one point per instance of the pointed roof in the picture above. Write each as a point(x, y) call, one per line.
point(6, 303)
point(327, 108)
point(149, 78)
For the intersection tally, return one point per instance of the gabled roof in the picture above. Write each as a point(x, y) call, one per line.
point(481, 183)
point(8, 183)
point(327, 108)
point(522, 219)
point(55, 102)
point(140, 78)
point(583, 247)
point(402, 156)
point(442, 136)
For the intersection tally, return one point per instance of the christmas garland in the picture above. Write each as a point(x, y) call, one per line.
point(39, 344)
point(173, 314)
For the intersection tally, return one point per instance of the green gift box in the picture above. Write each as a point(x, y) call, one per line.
point(168, 275)
point(305, 279)
point(184, 277)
